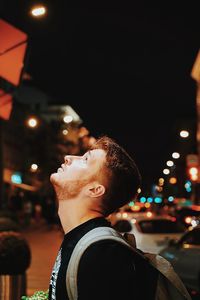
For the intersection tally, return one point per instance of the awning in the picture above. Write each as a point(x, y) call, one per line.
point(7, 178)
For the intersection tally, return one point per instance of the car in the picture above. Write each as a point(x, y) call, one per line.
point(184, 255)
point(152, 233)
point(188, 215)
point(127, 212)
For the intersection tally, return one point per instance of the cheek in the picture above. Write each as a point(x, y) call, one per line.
point(76, 174)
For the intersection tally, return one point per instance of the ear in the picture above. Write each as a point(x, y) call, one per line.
point(95, 190)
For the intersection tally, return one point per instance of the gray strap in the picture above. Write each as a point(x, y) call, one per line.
point(103, 233)
point(166, 269)
point(94, 235)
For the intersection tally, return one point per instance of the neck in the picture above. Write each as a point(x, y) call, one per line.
point(72, 214)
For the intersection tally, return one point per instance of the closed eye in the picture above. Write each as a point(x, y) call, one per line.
point(85, 158)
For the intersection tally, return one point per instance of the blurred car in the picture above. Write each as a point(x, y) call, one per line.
point(129, 212)
point(184, 255)
point(152, 233)
point(188, 215)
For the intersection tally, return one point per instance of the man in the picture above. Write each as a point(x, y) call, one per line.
point(88, 189)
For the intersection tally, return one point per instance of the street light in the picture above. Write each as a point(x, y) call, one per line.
point(173, 180)
point(65, 131)
point(32, 122)
point(166, 171)
point(68, 119)
point(175, 155)
point(34, 168)
point(184, 134)
point(193, 173)
point(169, 163)
point(38, 11)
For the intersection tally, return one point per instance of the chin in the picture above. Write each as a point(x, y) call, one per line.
point(54, 178)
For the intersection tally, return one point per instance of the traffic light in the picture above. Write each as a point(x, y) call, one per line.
point(193, 173)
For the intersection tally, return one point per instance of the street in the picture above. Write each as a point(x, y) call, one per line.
point(44, 244)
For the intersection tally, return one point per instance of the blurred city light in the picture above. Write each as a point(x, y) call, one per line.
point(170, 198)
point(149, 199)
point(193, 173)
point(161, 181)
point(65, 132)
point(166, 171)
point(68, 119)
point(173, 180)
point(32, 122)
point(16, 178)
point(38, 11)
point(149, 214)
point(91, 140)
point(133, 221)
point(83, 131)
point(124, 215)
point(188, 220)
point(175, 155)
point(142, 199)
point(188, 186)
point(184, 133)
point(34, 167)
point(158, 200)
point(170, 163)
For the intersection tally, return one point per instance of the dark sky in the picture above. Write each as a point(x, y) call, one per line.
point(124, 67)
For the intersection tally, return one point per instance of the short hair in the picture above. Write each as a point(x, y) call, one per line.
point(123, 176)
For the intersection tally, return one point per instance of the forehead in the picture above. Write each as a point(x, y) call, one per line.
point(97, 155)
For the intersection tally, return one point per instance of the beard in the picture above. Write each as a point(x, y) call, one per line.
point(70, 189)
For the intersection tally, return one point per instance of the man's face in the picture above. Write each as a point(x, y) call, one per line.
point(76, 172)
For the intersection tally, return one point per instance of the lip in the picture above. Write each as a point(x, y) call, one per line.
point(60, 170)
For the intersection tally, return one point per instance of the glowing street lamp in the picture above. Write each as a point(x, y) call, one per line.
point(32, 122)
point(38, 11)
point(173, 180)
point(193, 173)
point(184, 134)
point(34, 168)
point(68, 119)
point(65, 131)
point(175, 155)
point(170, 163)
point(166, 171)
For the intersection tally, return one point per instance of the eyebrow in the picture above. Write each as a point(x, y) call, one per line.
point(88, 153)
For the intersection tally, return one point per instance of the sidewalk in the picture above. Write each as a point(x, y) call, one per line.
point(44, 244)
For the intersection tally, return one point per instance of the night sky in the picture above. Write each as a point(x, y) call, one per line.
point(126, 70)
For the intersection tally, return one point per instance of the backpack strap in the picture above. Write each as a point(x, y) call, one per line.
point(94, 235)
point(166, 271)
point(174, 284)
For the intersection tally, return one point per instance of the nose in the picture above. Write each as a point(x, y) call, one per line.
point(69, 158)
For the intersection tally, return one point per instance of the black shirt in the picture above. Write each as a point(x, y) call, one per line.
point(107, 269)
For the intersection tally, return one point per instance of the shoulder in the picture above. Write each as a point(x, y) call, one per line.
point(107, 253)
point(103, 267)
